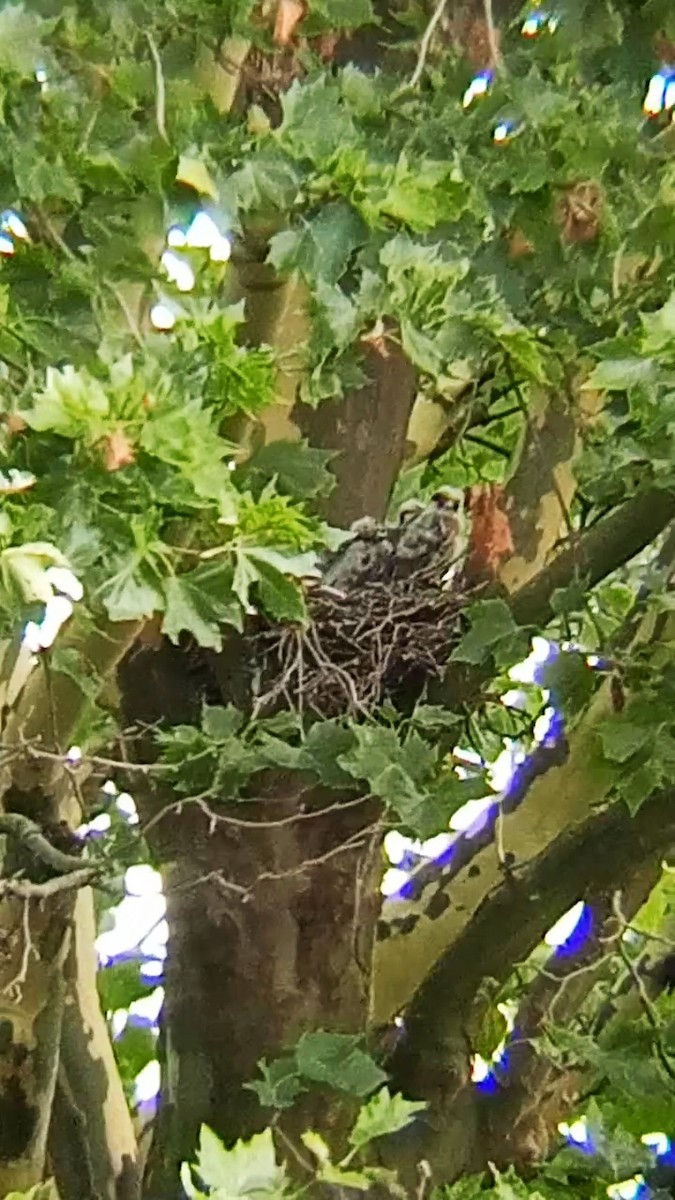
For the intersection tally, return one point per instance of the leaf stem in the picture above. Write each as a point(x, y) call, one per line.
point(160, 93)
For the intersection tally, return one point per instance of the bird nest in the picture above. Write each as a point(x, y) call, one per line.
point(382, 640)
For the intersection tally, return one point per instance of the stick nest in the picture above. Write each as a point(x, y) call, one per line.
point(382, 640)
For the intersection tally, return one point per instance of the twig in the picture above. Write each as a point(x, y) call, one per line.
point(240, 823)
point(425, 1177)
point(479, 440)
point(299, 1158)
point(22, 889)
point(160, 95)
point(53, 234)
point(426, 42)
point(493, 42)
point(93, 760)
point(651, 937)
point(352, 843)
point(131, 321)
point(646, 1003)
point(13, 988)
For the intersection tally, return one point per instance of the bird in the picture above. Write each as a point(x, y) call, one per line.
point(367, 556)
point(430, 532)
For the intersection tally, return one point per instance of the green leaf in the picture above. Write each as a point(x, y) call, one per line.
point(245, 575)
point(21, 35)
point(120, 984)
point(269, 568)
point(315, 123)
point(275, 752)
point(133, 593)
point(323, 247)
point(281, 597)
point(192, 605)
point(621, 738)
point(249, 1168)
point(299, 469)
point(134, 1050)
point(635, 788)
point(375, 748)
point(451, 793)
point(338, 14)
point(491, 623)
point(434, 719)
point(567, 600)
point(300, 566)
point(41, 176)
point(341, 1178)
point(421, 194)
point(337, 313)
point(338, 1060)
point(72, 404)
point(219, 723)
point(186, 438)
point(280, 1085)
point(382, 1115)
point(404, 796)
point(570, 681)
point(658, 329)
point(265, 181)
point(617, 375)
point(324, 745)
point(422, 350)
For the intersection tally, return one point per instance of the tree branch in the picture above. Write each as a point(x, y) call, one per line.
point(596, 553)
point(22, 889)
point(509, 923)
point(523, 1119)
point(32, 839)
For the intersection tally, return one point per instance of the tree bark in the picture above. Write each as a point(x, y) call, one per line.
point(92, 1144)
point(609, 851)
point(38, 934)
point(271, 930)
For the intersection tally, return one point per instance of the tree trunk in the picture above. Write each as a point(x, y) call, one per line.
point(271, 930)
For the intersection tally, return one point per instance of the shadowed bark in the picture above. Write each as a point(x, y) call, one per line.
point(271, 929)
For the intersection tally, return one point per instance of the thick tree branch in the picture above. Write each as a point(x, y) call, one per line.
point(29, 836)
point(590, 557)
point(560, 798)
point(608, 848)
point(596, 553)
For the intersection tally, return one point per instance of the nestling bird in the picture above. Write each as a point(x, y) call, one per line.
point(366, 557)
point(431, 532)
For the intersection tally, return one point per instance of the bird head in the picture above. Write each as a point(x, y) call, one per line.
point(409, 509)
point(364, 527)
point(448, 498)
